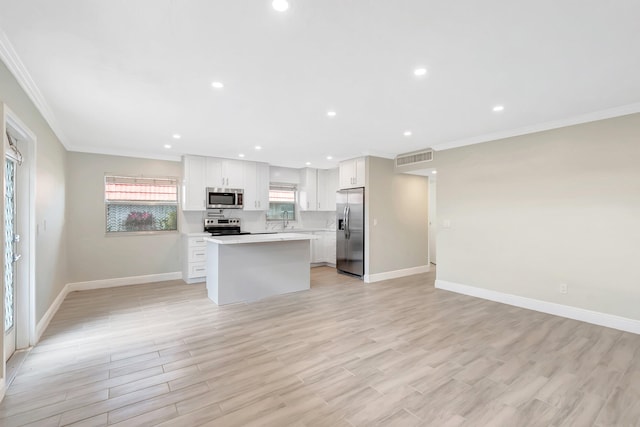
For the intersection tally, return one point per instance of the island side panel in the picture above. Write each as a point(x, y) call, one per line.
point(252, 271)
point(212, 271)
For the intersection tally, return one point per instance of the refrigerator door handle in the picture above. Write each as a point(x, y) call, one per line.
point(346, 218)
point(344, 221)
point(344, 226)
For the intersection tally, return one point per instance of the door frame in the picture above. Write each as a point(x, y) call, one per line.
point(25, 322)
point(433, 220)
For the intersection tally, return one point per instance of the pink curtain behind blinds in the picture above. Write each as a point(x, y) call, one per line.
point(286, 196)
point(140, 190)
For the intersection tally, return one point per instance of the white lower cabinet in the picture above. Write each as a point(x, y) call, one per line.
point(317, 250)
point(329, 241)
point(194, 257)
point(323, 250)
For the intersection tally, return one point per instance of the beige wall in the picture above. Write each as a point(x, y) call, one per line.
point(93, 255)
point(399, 203)
point(531, 212)
point(51, 257)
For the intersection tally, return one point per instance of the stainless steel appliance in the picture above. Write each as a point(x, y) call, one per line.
point(225, 198)
point(350, 231)
point(223, 226)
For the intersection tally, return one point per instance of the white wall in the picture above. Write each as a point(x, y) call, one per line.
point(92, 254)
point(532, 212)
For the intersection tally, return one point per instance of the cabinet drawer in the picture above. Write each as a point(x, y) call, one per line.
point(197, 254)
point(197, 269)
point(197, 242)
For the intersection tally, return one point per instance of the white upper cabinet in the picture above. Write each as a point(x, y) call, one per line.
point(256, 186)
point(193, 183)
point(225, 173)
point(352, 173)
point(308, 190)
point(317, 190)
point(327, 187)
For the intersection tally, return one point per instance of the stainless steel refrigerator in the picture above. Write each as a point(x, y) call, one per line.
point(350, 231)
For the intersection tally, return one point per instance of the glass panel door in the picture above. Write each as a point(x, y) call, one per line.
point(10, 239)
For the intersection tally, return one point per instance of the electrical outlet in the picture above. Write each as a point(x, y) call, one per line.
point(564, 288)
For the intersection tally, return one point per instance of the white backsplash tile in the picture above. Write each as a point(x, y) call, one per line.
point(255, 221)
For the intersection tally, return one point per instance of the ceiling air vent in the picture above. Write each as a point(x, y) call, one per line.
point(414, 158)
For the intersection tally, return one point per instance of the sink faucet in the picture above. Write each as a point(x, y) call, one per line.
point(285, 219)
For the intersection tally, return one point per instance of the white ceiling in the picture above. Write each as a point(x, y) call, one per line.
point(123, 76)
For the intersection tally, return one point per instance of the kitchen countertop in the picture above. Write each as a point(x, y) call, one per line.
point(308, 230)
point(259, 238)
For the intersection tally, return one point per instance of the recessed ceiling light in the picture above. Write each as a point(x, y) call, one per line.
point(240, 155)
point(498, 108)
point(331, 113)
point(167, 146)
point(329, 157)
point(420, 72)
point(176, 136)
point(308, 163)
point(280, 5)
point(258, 148)
point(217, 85)
point(407, 133)
point(434, 172)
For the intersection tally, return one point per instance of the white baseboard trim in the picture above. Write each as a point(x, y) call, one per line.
point(123, 281)
point(570, 312)
point(377, 277)
point(98, 284)
point(53, 309)
point(3, 387)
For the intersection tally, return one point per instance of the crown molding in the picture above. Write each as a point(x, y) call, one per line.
point(570, 121)
point(10, 57)
point(174, 157)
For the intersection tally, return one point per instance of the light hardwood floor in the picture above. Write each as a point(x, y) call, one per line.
point(345, 353)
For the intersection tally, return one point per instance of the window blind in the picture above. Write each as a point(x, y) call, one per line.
point(137, 189)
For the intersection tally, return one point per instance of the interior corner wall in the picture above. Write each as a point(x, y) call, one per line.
point(532, 212)
point(397, 218)
point(50, 164)
point(92, 254)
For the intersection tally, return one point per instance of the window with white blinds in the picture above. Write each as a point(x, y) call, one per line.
point(282, 202)
point(140, 204)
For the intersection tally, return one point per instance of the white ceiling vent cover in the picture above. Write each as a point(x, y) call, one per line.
point(414, 158)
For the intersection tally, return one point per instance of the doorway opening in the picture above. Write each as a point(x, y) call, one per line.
point(18, 290)
point(432, 219)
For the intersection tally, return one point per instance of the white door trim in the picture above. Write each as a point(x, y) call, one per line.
point(26, 272)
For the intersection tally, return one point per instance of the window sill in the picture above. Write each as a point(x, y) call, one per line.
point(139, 233)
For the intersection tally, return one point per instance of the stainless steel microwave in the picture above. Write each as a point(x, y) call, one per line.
point(225, 198)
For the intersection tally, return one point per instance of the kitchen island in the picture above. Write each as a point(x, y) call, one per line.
point(247, 268)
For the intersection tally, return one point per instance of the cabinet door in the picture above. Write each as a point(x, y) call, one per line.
point(359, 172)
point(215, 178)
point(225, 173)
point(327, 187)
point(262, 186)
point(347, 173)
point(233, 172)
point(330, 247)
point(250, 193)
point(256, 186)
point(193, 183)
point(317, 250)
point(308, 191)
